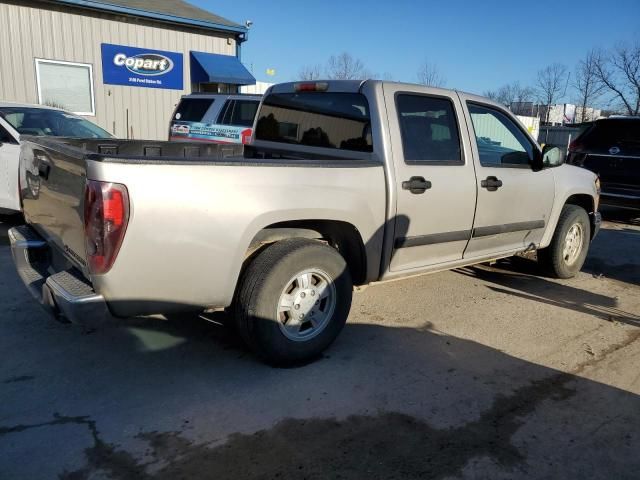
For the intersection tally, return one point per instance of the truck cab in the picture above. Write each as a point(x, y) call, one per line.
point(345, 183)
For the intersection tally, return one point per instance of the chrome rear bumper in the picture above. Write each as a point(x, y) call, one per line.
point(65, 294)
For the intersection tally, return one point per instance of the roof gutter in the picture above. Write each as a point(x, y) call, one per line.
point(240, 31)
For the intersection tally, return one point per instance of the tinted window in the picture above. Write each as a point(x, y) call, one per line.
point(500, 141)
point(244, 112)
point(192, 109)
point(428, 128)
point(329, 120)
point(40, 121)
point(607, 133)
point(239, 112)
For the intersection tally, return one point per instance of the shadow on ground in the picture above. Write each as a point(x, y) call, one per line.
point(383, 403)
point(522, 278)
point(167, 399)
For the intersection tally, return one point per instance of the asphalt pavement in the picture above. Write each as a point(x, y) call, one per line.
point(485, 372)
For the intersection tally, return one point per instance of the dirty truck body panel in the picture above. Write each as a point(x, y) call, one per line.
point(428, 179)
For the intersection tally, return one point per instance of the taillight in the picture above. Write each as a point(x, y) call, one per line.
point(575, 145)
point(246, 136)
point(106, 215)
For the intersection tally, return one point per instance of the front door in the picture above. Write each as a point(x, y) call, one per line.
point(434, 177)
point(514, 202)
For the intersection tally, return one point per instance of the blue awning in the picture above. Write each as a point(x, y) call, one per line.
point(210, 67)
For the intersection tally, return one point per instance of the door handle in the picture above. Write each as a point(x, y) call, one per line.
point(491, 183)
point(416, 185)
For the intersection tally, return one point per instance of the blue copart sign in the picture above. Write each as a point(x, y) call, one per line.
point(140, 67)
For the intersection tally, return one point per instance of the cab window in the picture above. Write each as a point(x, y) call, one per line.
point(429, 130)
point(328, 120)
point(501, 143)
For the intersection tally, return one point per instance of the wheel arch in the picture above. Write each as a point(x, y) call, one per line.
point(588, 203)
point(579, 198)
point(341, 235)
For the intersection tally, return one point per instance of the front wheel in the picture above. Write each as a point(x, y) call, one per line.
point(293, 301)
point(566, 254)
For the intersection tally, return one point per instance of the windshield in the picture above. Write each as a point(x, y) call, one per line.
point(55, 123)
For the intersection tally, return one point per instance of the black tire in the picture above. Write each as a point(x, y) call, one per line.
point(552, 258)
point(258, 296)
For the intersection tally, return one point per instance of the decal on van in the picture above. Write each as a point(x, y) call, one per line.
point(210, 133)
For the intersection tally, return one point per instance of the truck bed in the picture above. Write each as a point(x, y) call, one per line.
point(194, 210)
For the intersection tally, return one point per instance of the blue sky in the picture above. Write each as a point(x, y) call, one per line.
point(477, 45)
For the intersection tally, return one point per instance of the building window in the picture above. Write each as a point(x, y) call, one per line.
point(66, 85)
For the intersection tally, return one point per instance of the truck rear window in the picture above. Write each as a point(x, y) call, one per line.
point(192, 109)
point(315, 119)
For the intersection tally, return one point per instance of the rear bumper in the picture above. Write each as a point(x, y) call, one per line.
point(64, 294)
point(627, 199)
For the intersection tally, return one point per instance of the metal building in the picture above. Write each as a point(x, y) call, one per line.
point(121, 63)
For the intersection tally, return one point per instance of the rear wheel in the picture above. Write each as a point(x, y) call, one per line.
point(566, 254)
point(293, 301)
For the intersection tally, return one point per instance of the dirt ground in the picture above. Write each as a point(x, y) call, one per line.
point(485, 372)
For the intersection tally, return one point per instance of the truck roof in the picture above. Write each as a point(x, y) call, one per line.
point(353, 86)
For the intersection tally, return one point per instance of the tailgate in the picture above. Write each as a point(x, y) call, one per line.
point(615, 171)
point(52, 180)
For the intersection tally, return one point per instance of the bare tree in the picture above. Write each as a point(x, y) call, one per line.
point(346, 67)
point(619, 72)
point(522, 94)
point(511, 93)
point(492, 94)
point(429, 75)
point(310, 72)
point(552, 82)
point(587, 83)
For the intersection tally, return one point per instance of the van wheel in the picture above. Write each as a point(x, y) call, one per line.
point(293, 301)
point(566, 254)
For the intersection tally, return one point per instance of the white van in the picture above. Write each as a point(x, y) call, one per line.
point(217, 118)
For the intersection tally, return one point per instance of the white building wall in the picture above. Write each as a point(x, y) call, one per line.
point(258, 89)
point(59, 33)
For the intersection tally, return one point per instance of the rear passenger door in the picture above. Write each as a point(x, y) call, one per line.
point(434, 177)
point(514, 202)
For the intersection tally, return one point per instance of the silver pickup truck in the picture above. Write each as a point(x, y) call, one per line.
point(346, 183)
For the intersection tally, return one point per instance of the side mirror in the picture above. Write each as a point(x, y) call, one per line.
point(537, 163)
point(552, 156)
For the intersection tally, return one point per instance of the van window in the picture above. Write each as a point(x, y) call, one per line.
point(239, 113)
point(193, 109)
point(328, 120)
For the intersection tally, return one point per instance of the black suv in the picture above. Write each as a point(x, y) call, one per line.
point(611, 149)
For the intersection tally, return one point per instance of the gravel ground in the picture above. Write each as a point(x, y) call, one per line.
point(485, 372)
